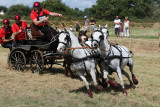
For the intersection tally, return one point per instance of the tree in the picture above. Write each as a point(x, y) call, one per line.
point(4, 8)
point(18, 9)
point(108, 9)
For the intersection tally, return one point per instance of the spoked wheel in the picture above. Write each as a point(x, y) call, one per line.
point(36, 61)
point(49, 63)
point(17, 60)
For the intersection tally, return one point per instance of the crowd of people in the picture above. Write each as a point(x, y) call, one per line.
point(120, 27)
point(89, 25)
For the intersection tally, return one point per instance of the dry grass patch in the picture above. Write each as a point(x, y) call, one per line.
point(54, 89)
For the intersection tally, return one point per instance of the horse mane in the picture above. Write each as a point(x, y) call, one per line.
point(74, 39)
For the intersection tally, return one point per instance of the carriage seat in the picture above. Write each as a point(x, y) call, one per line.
point(36, 33)
point(47, 47)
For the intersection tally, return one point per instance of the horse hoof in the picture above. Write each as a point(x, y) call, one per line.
point(125, 92)
point(135, 81)
point(90, 93)
point(100, 88)
point(112, 84)
point(132, 85)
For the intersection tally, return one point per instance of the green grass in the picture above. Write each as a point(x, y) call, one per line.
point(140, 33)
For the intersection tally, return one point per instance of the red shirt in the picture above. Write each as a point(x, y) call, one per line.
point(20, 36)
point(34, 15)
point(4, 33)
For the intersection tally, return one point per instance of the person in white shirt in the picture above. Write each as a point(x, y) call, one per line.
point(117, 26)
point(71, 28)
point(126, 27)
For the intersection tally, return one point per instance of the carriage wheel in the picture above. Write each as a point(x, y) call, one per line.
point(17, 60)
point(49, 63)
point(36, 61)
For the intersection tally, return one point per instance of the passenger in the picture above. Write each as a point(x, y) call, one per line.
point(6, 38)
point(40, 18)
point(19, 30)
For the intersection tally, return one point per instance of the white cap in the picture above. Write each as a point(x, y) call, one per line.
point(85, 16)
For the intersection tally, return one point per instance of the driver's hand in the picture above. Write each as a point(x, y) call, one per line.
point(60, 15)
point(46, 18)
point(19, 31)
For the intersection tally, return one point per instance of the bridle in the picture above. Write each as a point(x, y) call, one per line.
point(102, 36)
point(67, 37)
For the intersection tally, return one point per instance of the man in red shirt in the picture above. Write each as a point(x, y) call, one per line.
point(40, 18)
point(19, 30)
point(6, 38)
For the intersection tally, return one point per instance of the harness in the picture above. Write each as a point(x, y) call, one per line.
point(110, 54)
point(20, 27)
point(41, 17)
point(8, 33)
point(84, 46)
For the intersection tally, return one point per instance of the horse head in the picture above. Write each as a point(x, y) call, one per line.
point(64, 41)
point(82, 36)
point(105, 30)
point(97, 37)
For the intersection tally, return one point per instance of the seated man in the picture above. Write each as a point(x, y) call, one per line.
point(40, 18)
point(19, 30)
point(6, 38)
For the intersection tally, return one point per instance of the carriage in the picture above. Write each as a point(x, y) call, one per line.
point(36, 53)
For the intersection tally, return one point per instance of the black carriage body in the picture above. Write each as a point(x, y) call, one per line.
point(38, 53)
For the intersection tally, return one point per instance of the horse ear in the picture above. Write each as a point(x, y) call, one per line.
point(65, 29)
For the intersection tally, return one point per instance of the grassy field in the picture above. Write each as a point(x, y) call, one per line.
point(24, 89)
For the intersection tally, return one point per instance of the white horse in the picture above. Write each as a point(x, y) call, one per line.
point(82, 59)
point(116, 57)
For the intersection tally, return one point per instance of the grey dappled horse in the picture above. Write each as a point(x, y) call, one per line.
point(82, 60)
point(115, 57)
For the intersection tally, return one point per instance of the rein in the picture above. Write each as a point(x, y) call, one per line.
point(103, 49)
point(81, 47)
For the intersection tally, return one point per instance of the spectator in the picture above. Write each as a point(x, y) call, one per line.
point(121, 30)
point(92, 24)
point(71, 28)
point(126, 27)
point(6, 38)
point(77, 26)
point(19, 30)
point(117, 26)
point(86, 23)
point(40, 18)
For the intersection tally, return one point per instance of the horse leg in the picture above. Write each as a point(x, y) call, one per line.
point(121, 80)
point(129, 79)
point(100, 75)
point(72, 75)
point(86, 84)
point(66, 70)
point(93, 75)
point(130, 65)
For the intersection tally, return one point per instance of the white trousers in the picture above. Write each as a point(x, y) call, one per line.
point(126, 32)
